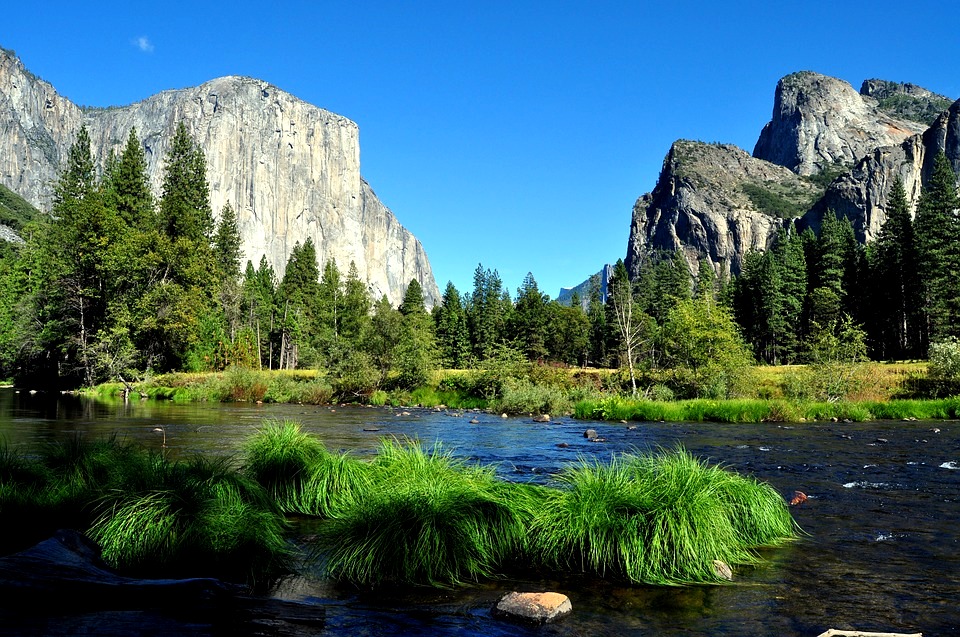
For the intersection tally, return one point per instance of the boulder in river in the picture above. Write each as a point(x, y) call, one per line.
point(537, 608)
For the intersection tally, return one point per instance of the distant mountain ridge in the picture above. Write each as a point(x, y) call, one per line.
point(827, 146)
point(290, 169)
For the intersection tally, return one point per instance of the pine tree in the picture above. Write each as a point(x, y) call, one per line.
point(938, 241)
point(297, 299)
point(356, 306)
point(128, 186)
point(530, 319)
point(185, 203)
point(486, 313)
point(413, 299)
point(227, 243)
point(896, 284)
point(453, 336)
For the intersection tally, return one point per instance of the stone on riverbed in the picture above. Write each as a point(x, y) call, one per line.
point(538, 608)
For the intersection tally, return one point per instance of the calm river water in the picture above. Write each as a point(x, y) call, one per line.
point(882, 523)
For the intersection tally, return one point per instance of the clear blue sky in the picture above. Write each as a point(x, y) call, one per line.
point(513, 134)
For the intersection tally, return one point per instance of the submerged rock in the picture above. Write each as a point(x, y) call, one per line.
point(538, 608)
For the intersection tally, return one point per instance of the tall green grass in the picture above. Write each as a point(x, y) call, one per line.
point(196, 517)
point(656, 519)
point(151, 516)
point(427, 519)
point(298, 471)
point(754, 410)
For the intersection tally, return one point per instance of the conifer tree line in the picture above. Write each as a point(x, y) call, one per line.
point(117, 282)
point(902, 290)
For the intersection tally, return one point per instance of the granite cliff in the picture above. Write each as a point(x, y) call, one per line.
point(291, 170)
point(827, 146)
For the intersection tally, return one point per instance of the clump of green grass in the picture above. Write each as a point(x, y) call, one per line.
point(281, 457)
point(656, 519)
point(427, 519)
point(196, 517)
point(299, 472)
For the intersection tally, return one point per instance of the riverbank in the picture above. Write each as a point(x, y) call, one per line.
point(775, 394)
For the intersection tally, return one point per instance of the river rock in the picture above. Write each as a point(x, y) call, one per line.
point(542, 418)
point(723, 570)
point(538, 608)
point(590, 434)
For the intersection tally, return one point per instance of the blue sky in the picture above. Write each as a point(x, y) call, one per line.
point(513, 134)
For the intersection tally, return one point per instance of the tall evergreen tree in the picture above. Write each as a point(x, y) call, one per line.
point(937, 229)
point(896, 283)
point(185, 203)
point(530, 319)
point(128, 186)
point(486, 313)
point(356, 306)
point(453, 336)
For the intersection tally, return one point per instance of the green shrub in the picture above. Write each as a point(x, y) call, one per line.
point(945, 360)
point(524, 397)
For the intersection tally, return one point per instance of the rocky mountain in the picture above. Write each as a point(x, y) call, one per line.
point(819, 121)
point(827, 147)
point(291, 170)
point(584, 289)
point(860, 194)
point(715, 201)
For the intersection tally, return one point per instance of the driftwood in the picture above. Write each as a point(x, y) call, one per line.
point(62, 587)
point(833, 632)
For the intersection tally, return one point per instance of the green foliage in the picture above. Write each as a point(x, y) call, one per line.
point(702, 344)
point(913, 107)
point(195, 517)
point(656, 519)
point(428, 519)
point(15, 211)
point(938, 240)
point(945, 360)
point(775, 200)
point(521, 396)
point(152, 517)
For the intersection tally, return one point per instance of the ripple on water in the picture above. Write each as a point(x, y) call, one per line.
point(864, 484)
point(950, 464)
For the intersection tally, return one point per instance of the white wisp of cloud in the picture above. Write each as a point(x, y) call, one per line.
point(143, 43)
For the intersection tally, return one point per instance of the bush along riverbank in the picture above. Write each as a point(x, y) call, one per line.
point(410, 516)
point(778, 394)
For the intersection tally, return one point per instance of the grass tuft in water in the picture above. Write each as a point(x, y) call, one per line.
point(426, 519)
point(197, 517)
point(656, 519)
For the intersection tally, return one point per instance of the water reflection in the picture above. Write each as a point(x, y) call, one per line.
point(881, 551)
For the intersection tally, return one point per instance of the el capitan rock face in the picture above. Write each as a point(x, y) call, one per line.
point(290, 169)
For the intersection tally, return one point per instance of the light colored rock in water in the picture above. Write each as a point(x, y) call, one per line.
point(723, 570)
point(291, 170)
point(540, 608)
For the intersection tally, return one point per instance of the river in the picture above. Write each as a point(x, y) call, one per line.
point(880, 550)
